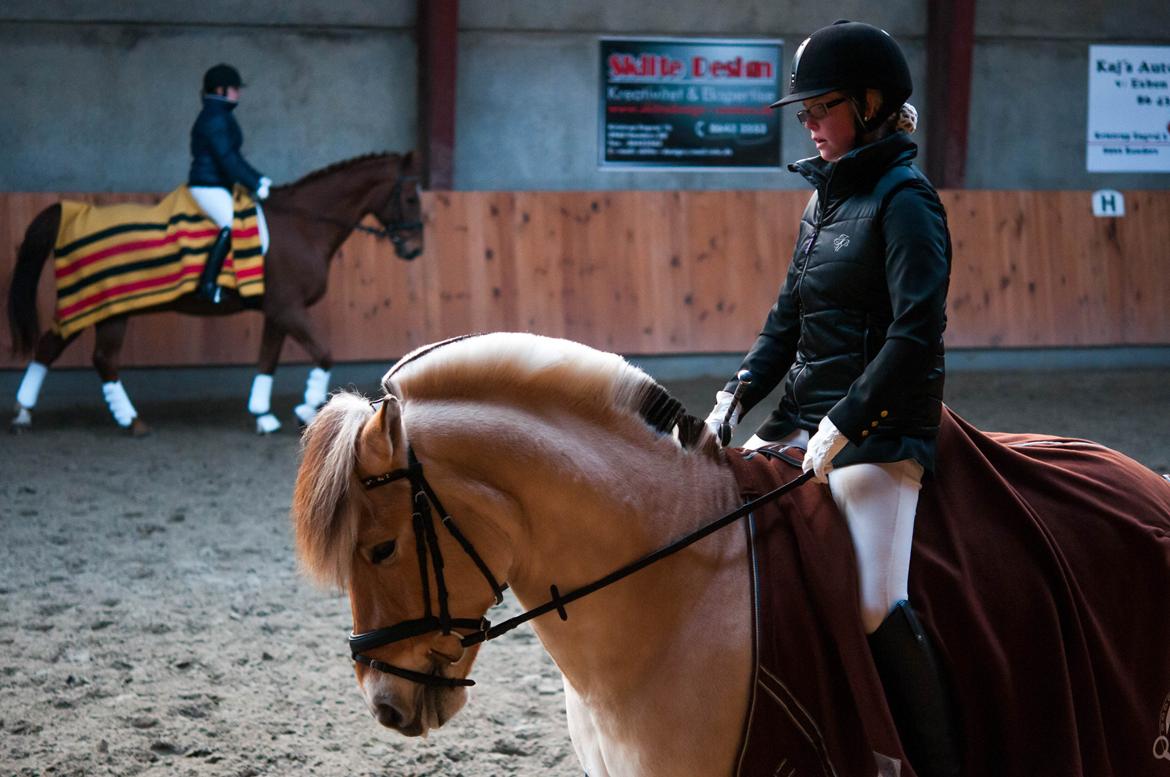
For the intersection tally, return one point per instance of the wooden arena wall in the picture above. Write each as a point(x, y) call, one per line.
point(659, 272)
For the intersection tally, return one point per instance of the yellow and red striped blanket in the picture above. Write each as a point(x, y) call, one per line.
point(119, 258)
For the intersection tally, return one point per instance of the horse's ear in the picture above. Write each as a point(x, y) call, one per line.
point(390, 422)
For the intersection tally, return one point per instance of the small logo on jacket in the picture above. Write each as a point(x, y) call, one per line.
point(840, 242)
point(1162, 742)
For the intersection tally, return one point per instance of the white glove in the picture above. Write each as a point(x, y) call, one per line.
point(262, 189)
point(822, 448)
point(719, 412)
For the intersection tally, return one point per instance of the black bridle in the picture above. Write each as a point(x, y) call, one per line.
point(392, 231)
point(426, 542)
point(481, 629)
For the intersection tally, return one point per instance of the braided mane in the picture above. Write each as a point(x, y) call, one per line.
point(336, 166)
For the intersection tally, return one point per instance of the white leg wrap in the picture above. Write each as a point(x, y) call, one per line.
point(30, 385)
point(119, 402)
point(316, 389)
point(267, 424)
point(260, 401)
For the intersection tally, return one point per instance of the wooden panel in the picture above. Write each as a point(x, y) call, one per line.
point(673, 272)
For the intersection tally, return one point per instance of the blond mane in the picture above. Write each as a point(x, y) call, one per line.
point(596, 385)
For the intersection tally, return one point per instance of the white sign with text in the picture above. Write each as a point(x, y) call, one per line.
point(1129, 109)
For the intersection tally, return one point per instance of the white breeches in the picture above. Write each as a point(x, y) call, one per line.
point(879, 502)
point(216, 202)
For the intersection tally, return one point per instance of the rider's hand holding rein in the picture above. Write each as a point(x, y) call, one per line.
point(823, 447)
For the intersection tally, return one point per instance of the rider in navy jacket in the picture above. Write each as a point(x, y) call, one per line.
point(216, 139)
point(217, 165)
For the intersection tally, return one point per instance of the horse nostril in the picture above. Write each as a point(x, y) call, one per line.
point(388, 715)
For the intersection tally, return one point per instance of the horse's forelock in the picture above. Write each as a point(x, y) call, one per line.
point(323, 523)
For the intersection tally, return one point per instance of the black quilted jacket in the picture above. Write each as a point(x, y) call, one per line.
point(857, 331)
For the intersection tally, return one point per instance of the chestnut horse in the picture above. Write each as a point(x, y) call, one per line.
point(518, 460)
point(308, 221)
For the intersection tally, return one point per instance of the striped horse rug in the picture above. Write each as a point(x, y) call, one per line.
point(116, 259)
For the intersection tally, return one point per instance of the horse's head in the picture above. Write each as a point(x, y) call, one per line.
point(362, 522)
point(401, 214)
point(422, 506)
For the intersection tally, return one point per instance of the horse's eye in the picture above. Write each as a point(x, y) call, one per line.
point(382, 552)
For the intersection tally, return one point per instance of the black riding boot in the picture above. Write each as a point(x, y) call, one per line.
point(208, 288)
point(917, 693)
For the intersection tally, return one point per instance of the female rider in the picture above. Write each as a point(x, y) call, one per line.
point(217, 164)
point(856, 334)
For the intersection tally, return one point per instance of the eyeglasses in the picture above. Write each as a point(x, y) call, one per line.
point(818, 111)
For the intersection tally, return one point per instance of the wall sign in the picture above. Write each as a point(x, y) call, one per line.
point(1108, 203)
point(1129, 109)
point(692, 103)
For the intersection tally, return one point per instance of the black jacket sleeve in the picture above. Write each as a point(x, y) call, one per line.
point(918, 269)
point(228, 158)
point(775, 347)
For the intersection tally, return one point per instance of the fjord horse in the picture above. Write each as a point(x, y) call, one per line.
point(518, 460)
point(308, 221)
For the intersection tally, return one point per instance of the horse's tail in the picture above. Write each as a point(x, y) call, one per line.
point(22, 294)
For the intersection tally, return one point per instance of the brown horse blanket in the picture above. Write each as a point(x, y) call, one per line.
point(1041, 567)
point(119, 258)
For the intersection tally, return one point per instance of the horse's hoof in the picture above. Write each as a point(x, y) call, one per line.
point(267, 424)
point(138, 428)
point(22, 421)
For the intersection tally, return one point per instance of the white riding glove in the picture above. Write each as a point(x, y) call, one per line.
point(822, 448)
point(262, 189)
point(719, 413)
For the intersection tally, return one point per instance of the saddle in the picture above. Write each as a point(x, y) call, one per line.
point(115, 259)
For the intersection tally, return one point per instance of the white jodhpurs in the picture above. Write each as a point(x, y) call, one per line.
point(879, 502)
point(216, 202)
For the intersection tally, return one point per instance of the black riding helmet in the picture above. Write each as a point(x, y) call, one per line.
point(221, 75)
point(850, 56)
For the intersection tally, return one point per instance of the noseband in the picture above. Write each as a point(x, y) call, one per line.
point(426, 544)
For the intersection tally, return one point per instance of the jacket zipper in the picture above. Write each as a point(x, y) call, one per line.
point(800, 302)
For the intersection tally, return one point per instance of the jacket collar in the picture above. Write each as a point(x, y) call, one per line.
point(217, 103)
point(857, 170)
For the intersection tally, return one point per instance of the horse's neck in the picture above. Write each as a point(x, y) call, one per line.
point(592, 503)
point(337, 200)
point(659, 662)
